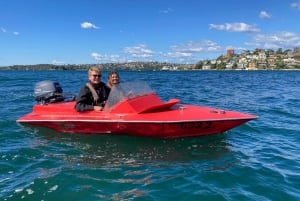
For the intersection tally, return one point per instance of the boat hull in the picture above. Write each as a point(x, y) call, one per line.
point(178, 121)
point(145, 129)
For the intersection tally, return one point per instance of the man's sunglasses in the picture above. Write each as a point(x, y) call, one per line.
point(97, 75)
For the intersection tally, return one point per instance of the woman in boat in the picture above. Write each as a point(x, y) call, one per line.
point(113, 79)
point(116, 89)
point(93, 95)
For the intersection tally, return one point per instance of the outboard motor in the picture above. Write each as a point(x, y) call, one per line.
point(48, 92)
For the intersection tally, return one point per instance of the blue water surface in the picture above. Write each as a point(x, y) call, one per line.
point(259, 160)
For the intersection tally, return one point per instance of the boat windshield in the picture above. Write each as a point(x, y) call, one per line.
point(125, 91)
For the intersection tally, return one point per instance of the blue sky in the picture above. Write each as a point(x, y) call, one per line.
point(101, 31)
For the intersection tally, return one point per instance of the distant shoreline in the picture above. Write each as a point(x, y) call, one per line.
point(134, 66)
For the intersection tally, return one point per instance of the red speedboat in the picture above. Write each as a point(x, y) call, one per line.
point(131, 109)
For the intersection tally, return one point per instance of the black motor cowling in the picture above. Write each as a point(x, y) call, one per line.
point(48, 92)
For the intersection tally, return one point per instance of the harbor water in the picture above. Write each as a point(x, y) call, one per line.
point(259, 160)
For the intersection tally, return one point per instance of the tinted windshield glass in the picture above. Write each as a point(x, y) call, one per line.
point(126, 90)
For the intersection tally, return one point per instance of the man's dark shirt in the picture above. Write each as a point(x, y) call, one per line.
point(85, 100)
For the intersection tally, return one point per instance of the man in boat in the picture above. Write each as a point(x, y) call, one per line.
point(93, 95)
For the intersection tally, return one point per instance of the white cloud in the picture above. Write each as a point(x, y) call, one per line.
point(107, 58)
point(16, 33)
point(88, 25)
point(296, 5)
point(284, 39)
point(96, 56)
point(191, 51)
point(139, 51)
point(264, 15)
point(234, 27)
point(197, 47)
point(55, 62)
point(178, 55)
